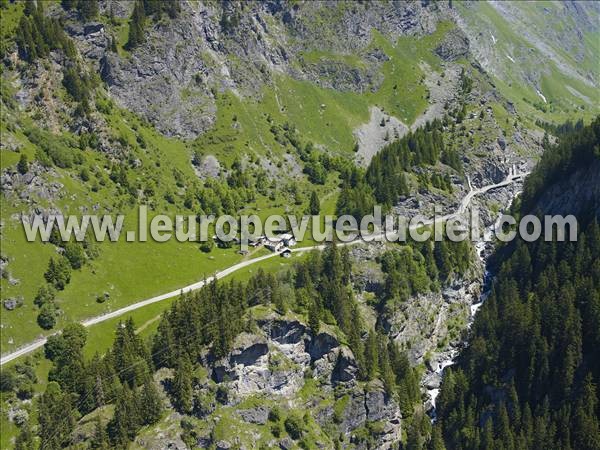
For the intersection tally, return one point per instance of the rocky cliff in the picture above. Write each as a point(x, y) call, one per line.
point(171, 79)
point(263, 85)
point(283, 366)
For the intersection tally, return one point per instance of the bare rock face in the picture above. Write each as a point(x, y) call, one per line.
point(378, 132)
point(172, 78)
point(272, 364)
point(276, 361)
point(209, 167)
point(376, 402)
point(371, 404)
point(345, 367)
point(151, 85)
point(223, 445)
point(286, 332)
point(454, 46)
point(258, 415)
point(118, 8)
point(322, 344)
point(32, 186)
point(341, 76)
point(577, 193)
point(92, 38)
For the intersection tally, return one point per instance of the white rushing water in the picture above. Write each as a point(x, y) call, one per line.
point(450, 360)
point(541, 95)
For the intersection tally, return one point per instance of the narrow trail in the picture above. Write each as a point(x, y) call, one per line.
point(511, 178)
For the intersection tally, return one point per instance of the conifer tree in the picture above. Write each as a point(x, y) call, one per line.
point(56, 417)
point(136, 25)
point(87, 9)
point(442, 259)
point(163, 345)
point(23, 165)
point(99, 439)
point(46, 318)
point(314, 316)
point(69, 363)
point(126, 420)
point(371, 355)
point(356, 344)
point(387, 374)
point(131, 358)
point(151, 403)
point(314, 206)
point(487, 441)
point(437, 440)
point(51, 272)
point(182, 385)
point(58, 272)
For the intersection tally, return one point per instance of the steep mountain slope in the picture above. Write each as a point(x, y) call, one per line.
point(272, 125)
point(544, 54)
point(528, 377)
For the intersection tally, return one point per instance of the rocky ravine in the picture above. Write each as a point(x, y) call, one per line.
point(471, 292)
point(433, 326)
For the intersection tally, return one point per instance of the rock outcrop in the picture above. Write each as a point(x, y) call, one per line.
point(276, 362)
point(172, 79)
point(454, 46)
point(577, 193)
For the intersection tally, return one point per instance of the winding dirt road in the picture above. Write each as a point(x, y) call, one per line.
point(466, 200)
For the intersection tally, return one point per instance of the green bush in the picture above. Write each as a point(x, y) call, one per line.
point(276, 429)
point(75, 254)
point(23, 165)
point(8, 381)
point(50, 149)
point(207, 246)
point(294, 426)
point(45, 294)
point(47, 317)
point(275, 414)
point(58, 272)
point(25, 390)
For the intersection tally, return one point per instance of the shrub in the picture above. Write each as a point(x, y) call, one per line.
point(75, 254)
point(8, 380)
point(45, 294)
point(47, 317)
point(25, 390)
point(222, 395)
point(54, 347)
point(276, 429)
point(58, 272)
point(207, 246)
point(84, 174)
point(23, 165)
point(275, 414)
point(294, 426)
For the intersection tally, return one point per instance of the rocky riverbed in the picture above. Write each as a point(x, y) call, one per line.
point(432, 378)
